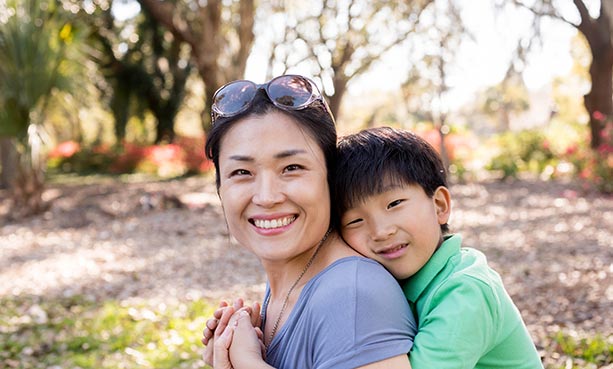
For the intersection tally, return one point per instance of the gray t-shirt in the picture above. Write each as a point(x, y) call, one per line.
point(351, 314)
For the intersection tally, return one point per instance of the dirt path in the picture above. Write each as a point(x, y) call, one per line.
point(551, 243)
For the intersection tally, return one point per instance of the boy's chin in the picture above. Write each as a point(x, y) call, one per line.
point(399, 275)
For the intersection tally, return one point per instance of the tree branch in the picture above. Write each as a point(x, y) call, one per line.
point(586, 19)
point(163, 12)
point(551, 13)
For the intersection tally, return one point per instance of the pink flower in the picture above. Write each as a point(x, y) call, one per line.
point(165, 153)
point(65, 150)
point(598, 116)
point(570, 150)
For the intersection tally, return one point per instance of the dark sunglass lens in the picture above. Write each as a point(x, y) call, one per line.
point(290, 91)
point(234, 97)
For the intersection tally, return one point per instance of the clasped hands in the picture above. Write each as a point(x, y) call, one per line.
point(233, 337)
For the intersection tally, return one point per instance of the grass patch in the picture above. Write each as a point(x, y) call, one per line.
point(583, 352)
point(76, 332)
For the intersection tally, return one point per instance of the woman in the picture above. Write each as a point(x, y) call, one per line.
point(274, 147)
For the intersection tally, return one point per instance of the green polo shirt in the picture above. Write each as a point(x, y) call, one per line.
point(465, 317)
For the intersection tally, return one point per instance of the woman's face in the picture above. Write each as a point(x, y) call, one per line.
point(273, 186)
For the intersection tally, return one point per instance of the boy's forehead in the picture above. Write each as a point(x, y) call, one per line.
point(388, 183)
point(385, 186)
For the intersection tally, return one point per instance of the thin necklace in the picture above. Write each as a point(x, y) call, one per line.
point(291, 289)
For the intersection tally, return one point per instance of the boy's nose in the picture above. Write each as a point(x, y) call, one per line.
point(381, 232)
point(267, 192)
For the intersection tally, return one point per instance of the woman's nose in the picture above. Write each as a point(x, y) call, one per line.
point(268, 191)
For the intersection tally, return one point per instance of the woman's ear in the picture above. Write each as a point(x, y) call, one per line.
point(442, 204)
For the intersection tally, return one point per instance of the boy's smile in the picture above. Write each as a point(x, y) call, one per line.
point(399, 227)
point(393, 251)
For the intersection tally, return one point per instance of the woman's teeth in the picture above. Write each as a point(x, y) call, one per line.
point(273, 223)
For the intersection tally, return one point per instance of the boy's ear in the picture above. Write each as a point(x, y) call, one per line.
point(442, 203)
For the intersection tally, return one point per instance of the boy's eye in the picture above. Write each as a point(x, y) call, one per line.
point(352, 222)
point(394, 203)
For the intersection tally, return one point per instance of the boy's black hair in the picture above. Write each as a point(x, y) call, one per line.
point(373, 159)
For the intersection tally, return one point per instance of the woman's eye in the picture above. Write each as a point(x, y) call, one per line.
point(394, 203)
point(292, 167)
point(239, 172)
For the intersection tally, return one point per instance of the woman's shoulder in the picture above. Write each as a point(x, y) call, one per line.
point(348, 263)
point(353, 273)
point(355, 281)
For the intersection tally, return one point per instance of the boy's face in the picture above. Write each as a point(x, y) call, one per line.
point(399, 228)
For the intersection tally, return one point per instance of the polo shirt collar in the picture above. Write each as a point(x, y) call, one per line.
point(414, 286)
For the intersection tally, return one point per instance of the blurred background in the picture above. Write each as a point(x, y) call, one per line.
point(504, 86)
point(511, 92)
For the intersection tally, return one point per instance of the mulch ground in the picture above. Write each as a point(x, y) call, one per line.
point(550, 241)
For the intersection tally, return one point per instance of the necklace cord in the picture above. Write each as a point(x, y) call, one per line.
point(291, 289)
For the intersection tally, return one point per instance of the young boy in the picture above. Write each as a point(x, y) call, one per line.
point(392, 196)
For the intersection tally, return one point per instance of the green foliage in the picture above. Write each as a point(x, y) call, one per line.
point(148, 74)
point(525, 151)
point(595, 350)
point(86, 161)
point(77, 332)
point(40, 52)
point(594, 167)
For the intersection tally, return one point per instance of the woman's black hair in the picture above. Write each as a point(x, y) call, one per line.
point(371, 160)
point(316, 119)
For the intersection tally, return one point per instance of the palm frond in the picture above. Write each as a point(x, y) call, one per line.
point(40, 52)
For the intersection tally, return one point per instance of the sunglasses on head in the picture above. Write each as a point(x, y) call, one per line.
point(287, 92)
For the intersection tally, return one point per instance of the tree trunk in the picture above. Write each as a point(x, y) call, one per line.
point(443, 146)
point(340, 87)
point(165, 131)
point(29, 184)
point(599, 101)
point(8, 158)
point(209, 40)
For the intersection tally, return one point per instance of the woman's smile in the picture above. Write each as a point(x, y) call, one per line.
point(274, 190)
point(273, 223)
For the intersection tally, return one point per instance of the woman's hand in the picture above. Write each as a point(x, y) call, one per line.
point(222, 341)
point(247, 348)
point(219, 321)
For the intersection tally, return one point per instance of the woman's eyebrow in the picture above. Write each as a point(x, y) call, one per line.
point(241, 158)
point(280, 155)
point(288, 153)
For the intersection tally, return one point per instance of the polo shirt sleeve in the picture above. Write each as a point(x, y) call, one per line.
point(368, 321)
point(456, 326)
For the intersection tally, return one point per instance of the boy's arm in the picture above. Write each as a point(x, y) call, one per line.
point(457, 328)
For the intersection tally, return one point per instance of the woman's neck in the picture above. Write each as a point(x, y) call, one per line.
point(282, 275)
point(294, 273)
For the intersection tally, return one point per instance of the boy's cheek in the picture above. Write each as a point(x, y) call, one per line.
point(354, 240)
